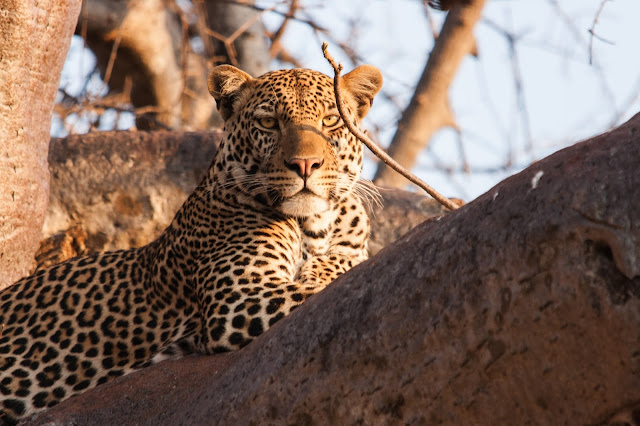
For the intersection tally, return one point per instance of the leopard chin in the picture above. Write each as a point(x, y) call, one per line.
point(303, 204)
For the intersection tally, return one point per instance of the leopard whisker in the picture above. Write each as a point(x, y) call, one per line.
point(368, 192)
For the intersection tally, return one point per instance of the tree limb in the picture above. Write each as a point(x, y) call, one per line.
point(337, 68)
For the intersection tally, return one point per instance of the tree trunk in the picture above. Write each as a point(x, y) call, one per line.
point(250, 46)
point(522, 307)
point(35, 37)
point(429, 110)
point(140, 48)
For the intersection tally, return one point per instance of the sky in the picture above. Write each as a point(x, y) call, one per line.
point(566, 98)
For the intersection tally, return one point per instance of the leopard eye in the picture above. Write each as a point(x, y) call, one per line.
point(268, 122)
point(330, 120)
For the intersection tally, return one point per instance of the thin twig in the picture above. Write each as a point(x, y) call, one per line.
point(592, 31)
point(112, 56)
point(201, 25)
point(337, 68)
point(520, 96)
point(308, 22)
point(228, 41)
point(577, 33)
point(276, 38)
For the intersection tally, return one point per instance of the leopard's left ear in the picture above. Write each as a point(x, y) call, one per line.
point(363, 83)
point(225, 82)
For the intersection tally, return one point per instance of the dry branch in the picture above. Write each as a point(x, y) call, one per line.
point(239, 34)
point(429, 108)
point(592, 31)
point(337, 68)
point(276, 38)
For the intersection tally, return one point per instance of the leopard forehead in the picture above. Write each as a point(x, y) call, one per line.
point(295, 93)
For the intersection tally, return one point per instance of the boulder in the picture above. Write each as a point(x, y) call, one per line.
point(522, 307)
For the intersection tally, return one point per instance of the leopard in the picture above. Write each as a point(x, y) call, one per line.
point(278, 216)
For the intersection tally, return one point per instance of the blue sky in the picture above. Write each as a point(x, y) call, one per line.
point(567, 99)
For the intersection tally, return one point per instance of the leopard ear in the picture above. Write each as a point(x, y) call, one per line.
point(224, 84)
point(363, 83)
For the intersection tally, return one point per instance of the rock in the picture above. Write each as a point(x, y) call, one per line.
point(123, 188)
point(520, 307)
point(399, 212)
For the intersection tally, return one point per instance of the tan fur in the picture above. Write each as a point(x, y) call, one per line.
point(263, 231)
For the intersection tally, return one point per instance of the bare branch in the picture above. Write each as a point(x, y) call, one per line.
point(276, 44)
point(112, 57)
point(427, 111)
point(522, 104)
point(577, 34)
point(593, 33)
point(285, 56)
point(337, 68)
point(201, 25)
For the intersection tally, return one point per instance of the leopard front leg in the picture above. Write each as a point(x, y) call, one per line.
point(246, 287)
point(247, 283)
point(319, 271)
point(234, 316)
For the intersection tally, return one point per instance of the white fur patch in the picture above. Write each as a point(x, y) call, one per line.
point(303, 205)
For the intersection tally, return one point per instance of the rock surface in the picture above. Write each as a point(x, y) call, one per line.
point(123, 188)
point(521, 307)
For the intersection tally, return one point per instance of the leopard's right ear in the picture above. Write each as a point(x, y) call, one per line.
point(225, 82)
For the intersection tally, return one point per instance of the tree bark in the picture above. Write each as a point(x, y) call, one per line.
point(428, 109)
point(35, 37)
point(521, 307)
point(252, 50)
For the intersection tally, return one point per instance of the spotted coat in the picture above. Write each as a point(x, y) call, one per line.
point(278, 216)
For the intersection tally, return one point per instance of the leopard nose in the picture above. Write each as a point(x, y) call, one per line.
point(304, 166)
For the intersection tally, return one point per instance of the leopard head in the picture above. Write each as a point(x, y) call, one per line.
point(286, 145)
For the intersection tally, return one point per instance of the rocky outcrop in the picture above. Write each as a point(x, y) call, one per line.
point(123, 188)
point(520, 307)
